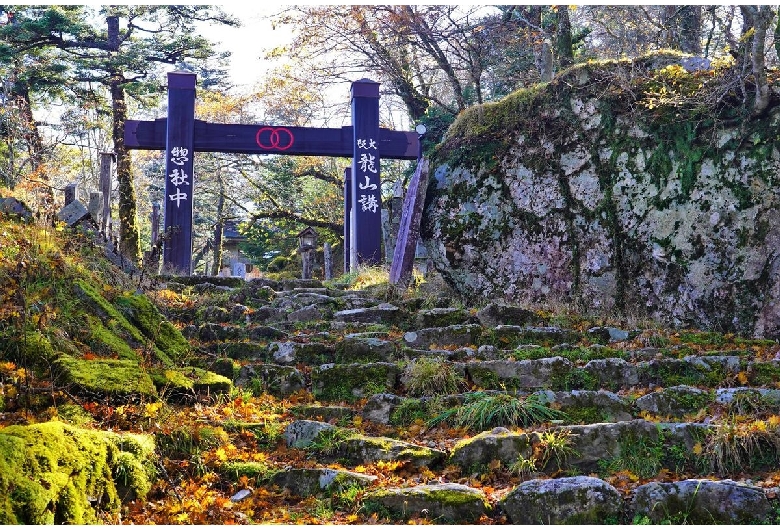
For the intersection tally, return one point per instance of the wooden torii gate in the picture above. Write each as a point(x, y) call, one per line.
point(180, 135)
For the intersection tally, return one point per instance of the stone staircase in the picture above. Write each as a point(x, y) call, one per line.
point(501, 414)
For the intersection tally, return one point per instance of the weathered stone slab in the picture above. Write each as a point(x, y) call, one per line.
point(461, 335)
point(379, 314)
point(527, 374)
point(379, 407)
point(672, 372)
point(301, 433)
point(10, 206)
point(211, 331)
point(496, 314)
point(602, 441)
point(325, 412)
point(300, 352)
point(366, 348)
point(409, 227)
point(73, 213)
point(353, 381)
point(311, 482)
point(613, 374)
point(360, 449)
point(268, 314)
point(499, 444)
point(701, 502)
point(608, 334)
point(588, 406)
point(443, 503)
point(308, 313)
point(675, 401)
point(570, 500)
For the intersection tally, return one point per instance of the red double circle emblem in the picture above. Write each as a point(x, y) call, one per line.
point(280, 138)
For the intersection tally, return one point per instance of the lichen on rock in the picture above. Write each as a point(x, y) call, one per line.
point(604, 195)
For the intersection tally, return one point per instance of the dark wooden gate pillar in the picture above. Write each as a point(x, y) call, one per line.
point(366, 219)
point(179, 178)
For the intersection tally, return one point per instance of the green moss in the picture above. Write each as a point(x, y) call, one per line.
point(574, 379)
point(109, 314)
point(409, 411)
point(764, 373)
point(74, 414)
point(148, 319)
point(29, 346)
point(106, 343)
point(447, 497)
point(54, 473)
point(190, 381)
point(350, 382)
point(674, 372)
point(236, 470)
point(107, 377)
point(588, 415)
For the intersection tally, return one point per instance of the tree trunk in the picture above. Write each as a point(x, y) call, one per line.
point(129, 244)
point(32, 138)
point(690, 29)
point(563, 46)
point(757, 19)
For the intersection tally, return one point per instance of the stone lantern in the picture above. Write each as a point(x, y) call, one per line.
point(307, 243)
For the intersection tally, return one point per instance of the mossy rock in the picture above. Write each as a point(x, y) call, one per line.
point(360, 449)
point(190, 382)
point(350, 382)
point(106, 378)
point(106, 343)
point(499, 444)
point(54, 473)
point(135, 467)
point(236, 470)
point(443, 503)
point(117, 323)
point(96, 304)
point(570, 500)
point(153, 325)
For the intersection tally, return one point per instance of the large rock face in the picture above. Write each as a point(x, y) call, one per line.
point(622, 186)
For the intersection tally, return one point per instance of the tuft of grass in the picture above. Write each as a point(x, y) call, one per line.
point(735, 446)
point(482, 411)
point(639, 454)
point(556, 445)
point(524, 467)
point(431, 376)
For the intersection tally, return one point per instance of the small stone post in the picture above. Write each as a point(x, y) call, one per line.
point(155, 223)
point(306, 256)
point(328, 261)
point(71, 193)
point(94, 206)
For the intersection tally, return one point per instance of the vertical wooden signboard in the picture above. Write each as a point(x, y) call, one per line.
point(179, 181)
point(347, 216)
point(366, 219)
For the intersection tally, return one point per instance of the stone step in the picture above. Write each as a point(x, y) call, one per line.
point(442, 503)
point(329, 443)
point(588, 500)
point(386, 368)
